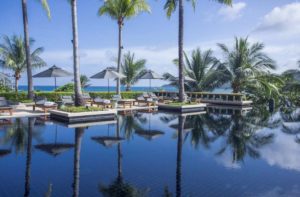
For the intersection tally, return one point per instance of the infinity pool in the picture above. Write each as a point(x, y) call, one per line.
point(254, 153)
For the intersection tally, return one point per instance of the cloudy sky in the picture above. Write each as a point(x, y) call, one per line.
point(153, 36)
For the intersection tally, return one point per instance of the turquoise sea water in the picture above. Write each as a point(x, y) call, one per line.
point(102, 88)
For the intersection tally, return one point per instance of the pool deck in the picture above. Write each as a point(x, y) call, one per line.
point(23, 111)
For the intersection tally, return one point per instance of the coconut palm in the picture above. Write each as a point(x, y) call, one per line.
point(201, 67)
point(84, 81)
point(120, 10)
point(170, 7)
point(79, 101)
point(27, 42)
point(12, 56)
point(246, 66)
point(132, 69)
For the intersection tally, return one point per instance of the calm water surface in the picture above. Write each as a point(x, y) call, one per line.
point(251, 153)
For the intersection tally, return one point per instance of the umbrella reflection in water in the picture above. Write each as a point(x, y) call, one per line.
point(149, 133)
point(55, 148)
point(108, 141)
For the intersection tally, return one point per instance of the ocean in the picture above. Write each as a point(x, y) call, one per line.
point(104, 88)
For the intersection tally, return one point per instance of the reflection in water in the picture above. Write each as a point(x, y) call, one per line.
point(54, 149)
point(267, 142)
point(28, 156)
point(242, 138)
point(120, 188)
point(78, 137)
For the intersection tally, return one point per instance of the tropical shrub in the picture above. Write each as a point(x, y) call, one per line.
point(55, 96)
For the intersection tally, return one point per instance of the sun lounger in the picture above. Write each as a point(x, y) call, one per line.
point(87, 98)
point(4, 106)
point(41, 102)
point(102, 102)
point(66, 100)
point(148, 101)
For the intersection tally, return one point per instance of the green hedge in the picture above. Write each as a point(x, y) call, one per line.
point(55, 96)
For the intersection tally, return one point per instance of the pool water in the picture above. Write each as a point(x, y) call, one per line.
point(240, 153)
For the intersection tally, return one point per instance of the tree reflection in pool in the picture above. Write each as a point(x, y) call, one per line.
point(212, 154)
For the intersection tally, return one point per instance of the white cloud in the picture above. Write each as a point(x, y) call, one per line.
point(282, 20)
point(233, 12)
point(282, 152)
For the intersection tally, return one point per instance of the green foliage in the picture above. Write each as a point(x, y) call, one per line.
point(4, 88)
point(69, 87)
point(55, 96)
point(84, 81)
point(74, 109)
point(171, 5)
point(13, 56)
point(181, 103)
point(201, 67)
point(120, 9)
point(132, 69)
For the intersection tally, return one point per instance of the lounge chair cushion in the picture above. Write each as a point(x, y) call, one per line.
point(41, 102)
point(49, 103)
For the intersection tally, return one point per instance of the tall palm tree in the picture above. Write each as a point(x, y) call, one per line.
point(132, 69)
point(202, 68)
point(79, 101)
point(170, 7)
point(120, 10)
point(27, 42)
point(245, 65)
point(12, 56)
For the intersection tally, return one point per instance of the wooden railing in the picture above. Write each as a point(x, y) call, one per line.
point(205, 97)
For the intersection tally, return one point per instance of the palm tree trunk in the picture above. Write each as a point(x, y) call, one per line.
point(78, 137)
point(27, 50)
point(180, 50)
point(28, 157)
point(119, 151)
point(77, 86)
point(181, 121)
point(16, 84)
point(120, 24)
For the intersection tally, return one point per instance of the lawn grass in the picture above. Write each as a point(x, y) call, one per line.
point(181, 103)
point(73, 109)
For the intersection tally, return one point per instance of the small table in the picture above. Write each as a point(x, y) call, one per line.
point(125, 102)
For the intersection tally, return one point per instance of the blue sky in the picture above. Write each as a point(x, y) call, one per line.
point(153, 36)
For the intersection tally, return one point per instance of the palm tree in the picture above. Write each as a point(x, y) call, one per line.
point(201, 67)
point(246, 66)
point(120, 10)
point(84, 81)
point(27, 42)
point(132, 69)
point(170, 7)
point(79, 101)
point(12, 56)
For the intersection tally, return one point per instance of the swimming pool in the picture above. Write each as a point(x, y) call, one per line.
point(254, 153)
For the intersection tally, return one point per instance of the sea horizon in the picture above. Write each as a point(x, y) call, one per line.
point(103, 88)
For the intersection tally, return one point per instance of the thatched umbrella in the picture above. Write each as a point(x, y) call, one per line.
point(55, 72)
point(108, 73)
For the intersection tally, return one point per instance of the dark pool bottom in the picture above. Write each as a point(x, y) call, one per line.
point(151, 154)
